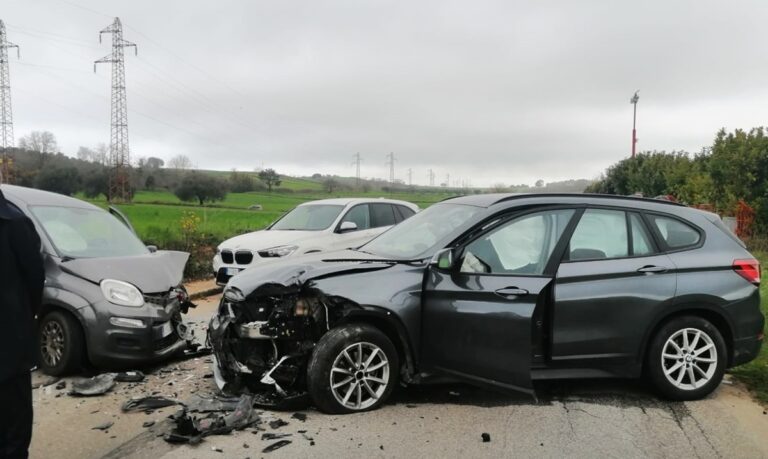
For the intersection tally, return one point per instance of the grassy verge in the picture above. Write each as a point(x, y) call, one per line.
point(755, 373)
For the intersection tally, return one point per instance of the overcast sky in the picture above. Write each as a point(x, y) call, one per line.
point(487, 91)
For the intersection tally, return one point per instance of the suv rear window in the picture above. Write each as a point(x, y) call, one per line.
point(675, 233)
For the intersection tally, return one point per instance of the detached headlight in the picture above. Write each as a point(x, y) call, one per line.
point(121, 293)
point(276, 252)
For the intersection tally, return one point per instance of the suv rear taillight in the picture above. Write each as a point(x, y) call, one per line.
point(749, 269)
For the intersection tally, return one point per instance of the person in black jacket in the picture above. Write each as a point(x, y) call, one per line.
point(22, 277)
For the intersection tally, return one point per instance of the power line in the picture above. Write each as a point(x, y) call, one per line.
point(357, 169)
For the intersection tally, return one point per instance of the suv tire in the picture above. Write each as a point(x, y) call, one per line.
point(353, 368)
point(686, 358)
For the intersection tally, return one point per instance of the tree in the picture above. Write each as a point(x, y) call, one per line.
point(202, 188)
point(86, 154)
point(154, 163)
point(270, 178)
point(96, 184)
point(64, 180)
point(330, 184)
point(180, 162)
point(240, 183)
point(150, 182)
point(539, 183)
point(39, 141)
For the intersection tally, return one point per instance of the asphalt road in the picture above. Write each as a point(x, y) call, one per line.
point(570, 419)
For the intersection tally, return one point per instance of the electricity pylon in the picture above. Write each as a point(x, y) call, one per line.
point(119, 154)
point(6, 114)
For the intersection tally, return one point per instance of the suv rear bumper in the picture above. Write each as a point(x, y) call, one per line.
point(746, 349)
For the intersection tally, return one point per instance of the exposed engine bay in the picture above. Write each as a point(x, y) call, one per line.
point(262, 342)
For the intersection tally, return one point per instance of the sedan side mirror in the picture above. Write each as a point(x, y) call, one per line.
point(347, 226)
point(443, 259)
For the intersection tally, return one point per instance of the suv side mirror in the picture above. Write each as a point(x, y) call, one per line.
point(443, 259)
point(347, 226)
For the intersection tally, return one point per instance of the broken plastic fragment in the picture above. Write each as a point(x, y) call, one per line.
point(103, 426)
point(276, 446)
point(129, 376)
point(98, 385)
point(152, 402)
point(486, 437)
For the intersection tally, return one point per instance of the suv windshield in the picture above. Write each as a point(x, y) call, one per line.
point(311, 217)
point(87, 233)
point(417, 236)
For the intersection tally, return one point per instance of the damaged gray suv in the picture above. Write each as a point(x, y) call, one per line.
point(499, 291)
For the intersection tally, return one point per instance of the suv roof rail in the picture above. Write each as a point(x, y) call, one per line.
point(591, 195)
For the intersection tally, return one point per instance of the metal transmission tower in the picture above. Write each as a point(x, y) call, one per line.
point(6, 114)
point(391, 162)
point(431, 177)
point(410, 177)
point(356, 162)
point(119, 154)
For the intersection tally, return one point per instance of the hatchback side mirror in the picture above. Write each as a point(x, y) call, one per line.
point(347, 226)
point(443, 259)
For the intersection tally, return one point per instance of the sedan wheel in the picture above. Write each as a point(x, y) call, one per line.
point(686, 358)
point(359, 376)
point(61, 344)
point(353, 368)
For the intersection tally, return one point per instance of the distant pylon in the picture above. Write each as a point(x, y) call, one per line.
point(119, 153)
point(357, 169)
point(391, 161)
point(410, 177)
point(6, 114)
point(431, 177)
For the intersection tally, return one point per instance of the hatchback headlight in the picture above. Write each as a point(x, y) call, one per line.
point(121, 293)
point(276, 252)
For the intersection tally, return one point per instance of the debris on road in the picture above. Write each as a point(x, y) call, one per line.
point(277, 423)
point(201, 404)
point(97, 385)
point(274, 436)
point(486, 437)
point(62, 385)
point(103, 426)
point(300, 416)
point(148, 424)
point(275, 446)
point(45, 381)
point(192, 430)
point(129, 376)
point(147, 404)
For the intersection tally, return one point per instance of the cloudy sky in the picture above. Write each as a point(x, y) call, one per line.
point(488, 91)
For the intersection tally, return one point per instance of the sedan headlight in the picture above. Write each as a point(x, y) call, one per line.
point(121, 293)
point(276, 252)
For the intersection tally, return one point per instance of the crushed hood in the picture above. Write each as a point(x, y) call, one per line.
point(294, 272)
point(266, 239)
point(151, 273)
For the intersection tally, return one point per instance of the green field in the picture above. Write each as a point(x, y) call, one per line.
point(755, 373)
point(156, 215)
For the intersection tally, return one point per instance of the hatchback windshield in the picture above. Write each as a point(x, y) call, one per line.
point(417, 236)
point(312, 217)
point(87, 233)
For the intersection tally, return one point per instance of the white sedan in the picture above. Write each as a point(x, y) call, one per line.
point(316, 226)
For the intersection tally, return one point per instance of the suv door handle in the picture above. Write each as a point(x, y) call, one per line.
point(653, 269)
point(509, 292)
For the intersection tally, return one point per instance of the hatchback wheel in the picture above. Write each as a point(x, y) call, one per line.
point(61, 344)
point(353, 368)
point(686, 359)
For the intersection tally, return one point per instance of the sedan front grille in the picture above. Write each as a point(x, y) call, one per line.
point(226, 257)
point(243, 257)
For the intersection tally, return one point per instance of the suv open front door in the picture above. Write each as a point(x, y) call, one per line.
point(479, 327)
point(479, 312)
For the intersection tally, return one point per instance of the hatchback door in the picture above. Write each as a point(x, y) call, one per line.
point(478, 315)
point(608, 289)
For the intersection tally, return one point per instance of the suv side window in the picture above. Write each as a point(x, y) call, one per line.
point(642, 243)
point(521, 246)
point(600, 234)
point(675, 233)
point(360, 216)
point(382, 215)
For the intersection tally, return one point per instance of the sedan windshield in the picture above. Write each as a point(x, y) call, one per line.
point(417, 237)
point(311, 217)
point(87, 233)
